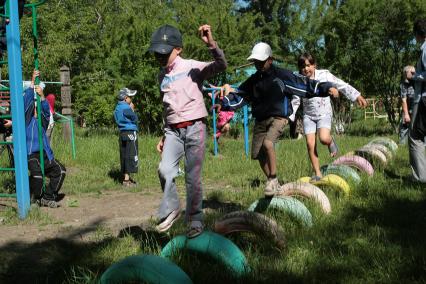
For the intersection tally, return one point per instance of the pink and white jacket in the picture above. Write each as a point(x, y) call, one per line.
point(181, 86)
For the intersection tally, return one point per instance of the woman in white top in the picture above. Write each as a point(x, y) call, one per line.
point(318, 113)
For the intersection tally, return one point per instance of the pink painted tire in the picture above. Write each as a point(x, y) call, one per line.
point(357, 162)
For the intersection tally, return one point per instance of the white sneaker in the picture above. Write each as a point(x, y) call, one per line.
point(271, 187)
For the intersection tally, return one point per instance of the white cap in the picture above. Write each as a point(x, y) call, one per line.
point(260, 51)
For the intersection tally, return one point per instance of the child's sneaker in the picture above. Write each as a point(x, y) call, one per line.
point(194, 230)
point(43, 202)
point(333, 148)
point(129, 183)
point(272, 186)
point(165, 223)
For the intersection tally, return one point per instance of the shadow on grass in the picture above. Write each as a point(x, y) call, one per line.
point(145, 236)
point(376, 243)
point(224, 207)
point(116, 175)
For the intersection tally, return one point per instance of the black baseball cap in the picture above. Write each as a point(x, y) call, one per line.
point(164, 39)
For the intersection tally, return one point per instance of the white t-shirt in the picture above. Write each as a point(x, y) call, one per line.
point(318, 107)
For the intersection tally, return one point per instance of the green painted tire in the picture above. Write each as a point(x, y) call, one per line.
point(145, 268)
point(343, 171)
point(247, 221)
point(386, 142)
point(216, 246)
point(285, 203)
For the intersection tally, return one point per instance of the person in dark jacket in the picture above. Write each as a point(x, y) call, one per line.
point(127, 122)
point(53, 169)
point(269, 91)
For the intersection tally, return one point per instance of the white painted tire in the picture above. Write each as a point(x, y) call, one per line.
point(373, 155)
point(307, 190)
point(284, 203)
point(247, 221)
point(357, 162)
point(382, 148)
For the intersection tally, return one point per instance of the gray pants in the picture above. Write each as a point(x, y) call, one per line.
point(416, 146)
point(189, 141)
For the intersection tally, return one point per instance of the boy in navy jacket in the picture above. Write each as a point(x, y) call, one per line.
point(127, 122)
point(53, 169)
point(269, 91)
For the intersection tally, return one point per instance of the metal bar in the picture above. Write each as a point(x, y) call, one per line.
point(71, 122)
point(214, 124)
point(6, 116)
point(46, 82)
point(7, 169)
point(18, 117)
point(13, 195)
point(5, 143)
point(246, 134)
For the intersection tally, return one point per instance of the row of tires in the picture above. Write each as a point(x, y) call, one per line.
point(339, 175)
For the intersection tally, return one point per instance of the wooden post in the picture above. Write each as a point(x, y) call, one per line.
point(66, 99)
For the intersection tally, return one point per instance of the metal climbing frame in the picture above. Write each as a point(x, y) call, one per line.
point(245, 109)
point(17, 103)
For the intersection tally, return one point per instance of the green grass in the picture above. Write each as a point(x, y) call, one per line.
point(376, 235)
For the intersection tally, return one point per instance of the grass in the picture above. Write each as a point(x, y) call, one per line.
point(374, 235)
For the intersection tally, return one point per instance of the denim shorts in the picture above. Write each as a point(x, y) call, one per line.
point(311, 125)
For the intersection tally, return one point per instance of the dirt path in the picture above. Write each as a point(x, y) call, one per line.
point(81, 216)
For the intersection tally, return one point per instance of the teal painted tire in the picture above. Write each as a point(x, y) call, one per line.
point(343, 171)
point(214, 245)
point(247, 221)
point(145, 268)
point(285, 203)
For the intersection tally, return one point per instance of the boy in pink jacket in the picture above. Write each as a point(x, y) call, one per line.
point(184, 117)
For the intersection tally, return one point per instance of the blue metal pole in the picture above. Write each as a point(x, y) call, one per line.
point(18, 118)
point(214, 124)
point(246, 134)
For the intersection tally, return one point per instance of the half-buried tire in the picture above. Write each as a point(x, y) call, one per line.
point(330, 180)
point(214, 245)
point(357, 162)
point(284, 203)
point(343, 171)
point(144, 269)
point(386, 142)
point(246, 221)
point(307, 190)
point(373, 155)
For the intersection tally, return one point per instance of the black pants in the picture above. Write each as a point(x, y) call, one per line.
point(53, 170)
point(129, 160)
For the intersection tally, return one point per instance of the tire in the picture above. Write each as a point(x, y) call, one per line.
point(144, 268)
point(307, 190)
point(382, 148)
point(246, 221)
point(386, 142)
point(357, 162)
point(285, 203)
point(331, 180)
point(374, 156)
point(345, 172)
point(214, 245)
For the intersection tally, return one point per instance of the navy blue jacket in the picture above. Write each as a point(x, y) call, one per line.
point(270, 92)
point(31, 124)
point(125, 117)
